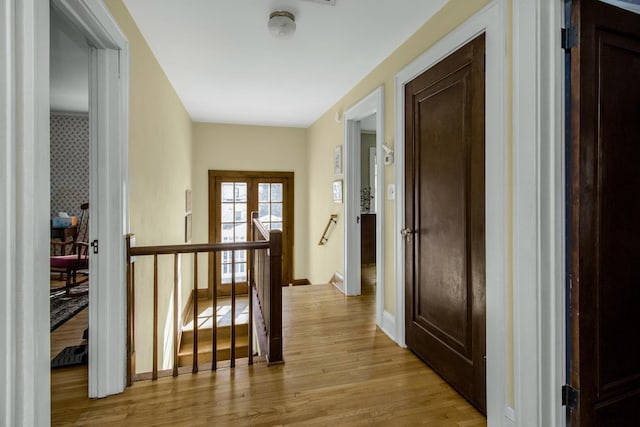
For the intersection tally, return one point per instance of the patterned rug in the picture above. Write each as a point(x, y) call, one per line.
point(64, 307)
point(71, 356)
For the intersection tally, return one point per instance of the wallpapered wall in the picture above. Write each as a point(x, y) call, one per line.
point(69, 162)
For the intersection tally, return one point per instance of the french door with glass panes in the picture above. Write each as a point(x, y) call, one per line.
point(233, 195)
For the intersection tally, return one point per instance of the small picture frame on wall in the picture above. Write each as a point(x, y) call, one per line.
point(187, 228)
point(337, 160)
point(337, 191)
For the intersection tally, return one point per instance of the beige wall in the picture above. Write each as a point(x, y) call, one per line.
point(251, 148)
point(159, 174)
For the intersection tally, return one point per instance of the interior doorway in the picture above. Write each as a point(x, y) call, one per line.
point(368, 190)
point(70, 176)
point(108, 87)
point(362, 197)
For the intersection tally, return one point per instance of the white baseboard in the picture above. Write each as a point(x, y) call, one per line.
point(509, 416)
point(389, 325)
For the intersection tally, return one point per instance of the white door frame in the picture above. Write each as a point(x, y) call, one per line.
point(538, 213)
point(491, 21)
point(24, 213)
point(370, 104)
point(108, 122)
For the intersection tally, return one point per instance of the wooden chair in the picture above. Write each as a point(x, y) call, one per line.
point(78, 260)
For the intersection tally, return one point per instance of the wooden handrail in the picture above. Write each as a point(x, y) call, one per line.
point(269, 244)
point(196, 247)
point(324, 239)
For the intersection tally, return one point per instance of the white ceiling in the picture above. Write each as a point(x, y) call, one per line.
point(69, 72)
point(227, 68)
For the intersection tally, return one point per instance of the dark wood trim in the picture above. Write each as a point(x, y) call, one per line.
point(193, 299)
point(288, 179)
point(155, 317)
point(176, 341)
point(203, 293)
point(301, 282)
point(337, 280)
point(275, 304)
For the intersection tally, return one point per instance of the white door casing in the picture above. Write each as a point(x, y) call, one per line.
point(538, 213)
point(24, 212)
point(108, 122)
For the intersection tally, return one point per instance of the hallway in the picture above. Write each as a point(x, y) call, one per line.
point(339, 370)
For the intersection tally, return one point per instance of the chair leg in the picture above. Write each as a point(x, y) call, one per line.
point(71, 280)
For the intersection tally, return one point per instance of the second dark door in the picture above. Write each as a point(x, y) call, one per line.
point(605, 223)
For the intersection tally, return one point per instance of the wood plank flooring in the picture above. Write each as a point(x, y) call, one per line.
point(339, 370)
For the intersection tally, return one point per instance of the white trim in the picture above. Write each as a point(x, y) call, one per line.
point(388, 325)
point(509, 417)
point(7, 216)
point(370, 104)
point(491, 21)
point(538, 213)
point(25, 175)
point(351, 198)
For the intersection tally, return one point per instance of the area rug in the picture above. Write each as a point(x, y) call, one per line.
point(71, 356)
point(64, 307)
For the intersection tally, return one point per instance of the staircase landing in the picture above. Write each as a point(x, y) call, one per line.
point(223, 335)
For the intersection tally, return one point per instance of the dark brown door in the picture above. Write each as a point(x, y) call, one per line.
point(605, 221)
point(445, 234)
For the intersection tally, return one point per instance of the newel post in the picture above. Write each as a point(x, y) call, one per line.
point(275, 291)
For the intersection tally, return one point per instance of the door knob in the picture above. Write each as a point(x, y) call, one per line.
point(407, 233)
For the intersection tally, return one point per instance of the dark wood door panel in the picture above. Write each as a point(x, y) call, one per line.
point(444, 176)
point(605, 225)
point(618, 204)
point(443, 308)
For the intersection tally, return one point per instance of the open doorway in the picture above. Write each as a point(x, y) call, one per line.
point(363, 199)
point(368, 186)
point(70, 176)
point(108, 93)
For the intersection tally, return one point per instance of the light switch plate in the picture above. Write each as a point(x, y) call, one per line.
point(391, 192)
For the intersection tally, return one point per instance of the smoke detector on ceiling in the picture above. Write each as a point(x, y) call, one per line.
point(282, 24)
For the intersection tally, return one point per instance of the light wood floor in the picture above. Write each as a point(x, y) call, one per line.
point(339, 370)
point(70, 333)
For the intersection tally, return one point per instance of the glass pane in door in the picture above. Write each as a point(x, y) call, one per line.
point(270, 205)
point(233, 228)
